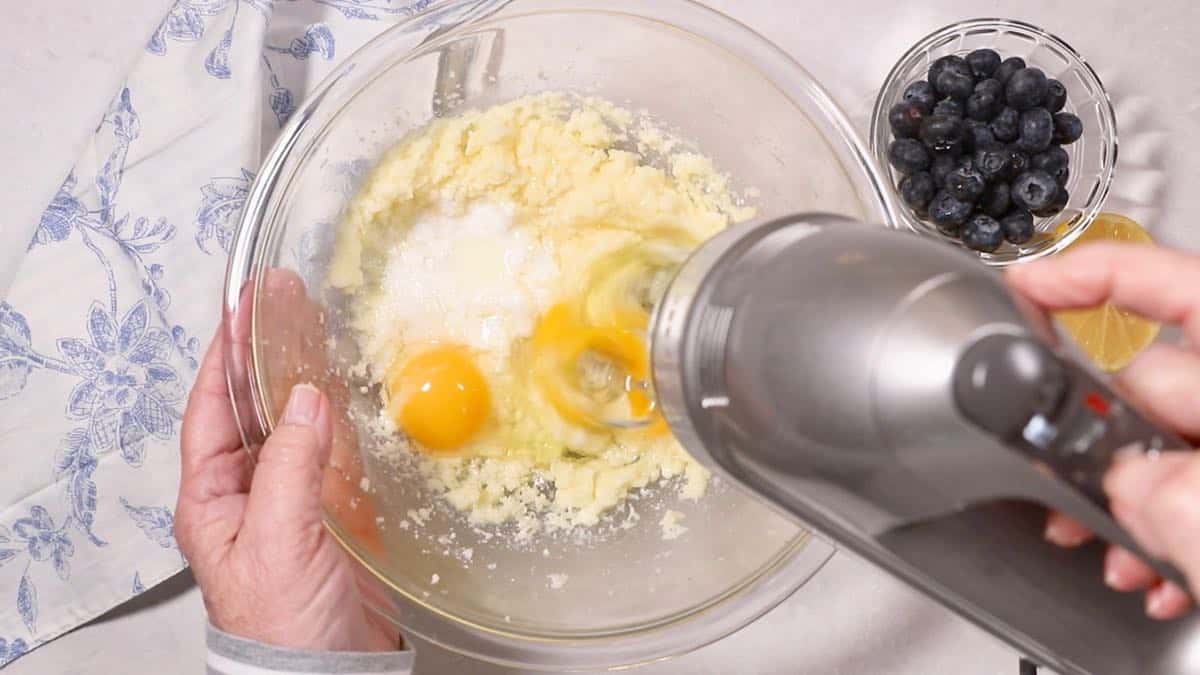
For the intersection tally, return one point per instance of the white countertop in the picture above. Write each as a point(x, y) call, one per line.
point(851, 619)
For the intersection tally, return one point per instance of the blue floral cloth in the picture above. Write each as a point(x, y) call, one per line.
point(119, 292)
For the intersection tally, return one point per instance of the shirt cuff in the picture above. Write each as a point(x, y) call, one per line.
point(232, 655)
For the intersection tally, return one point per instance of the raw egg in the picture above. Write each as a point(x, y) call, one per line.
point(439, 397)
point(584, 371)
point(590, 357)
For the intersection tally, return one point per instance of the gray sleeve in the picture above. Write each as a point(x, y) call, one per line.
point(232, 655)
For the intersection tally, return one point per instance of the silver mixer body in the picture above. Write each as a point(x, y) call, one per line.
point(888, 391)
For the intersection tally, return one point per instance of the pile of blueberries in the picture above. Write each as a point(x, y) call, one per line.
point(980, 146)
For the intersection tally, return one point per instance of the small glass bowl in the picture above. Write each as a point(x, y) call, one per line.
point(1093, 156)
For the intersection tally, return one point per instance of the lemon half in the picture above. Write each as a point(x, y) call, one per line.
point(1109, 335)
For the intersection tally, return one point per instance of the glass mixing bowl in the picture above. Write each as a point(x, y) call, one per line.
point(611, 597)
point(1093, 156)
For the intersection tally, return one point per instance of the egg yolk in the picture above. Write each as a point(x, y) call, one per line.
point(439, 397)
point(568, 353)
point(590, 352)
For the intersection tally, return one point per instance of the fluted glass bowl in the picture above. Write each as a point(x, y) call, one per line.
point(608, 598)
point(1093, 157)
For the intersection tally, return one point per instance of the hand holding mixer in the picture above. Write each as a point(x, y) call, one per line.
point(890, 392)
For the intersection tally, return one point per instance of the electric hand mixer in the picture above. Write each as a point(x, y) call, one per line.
point(891, 393)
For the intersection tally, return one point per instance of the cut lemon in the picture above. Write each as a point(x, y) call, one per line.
point(1110, 336)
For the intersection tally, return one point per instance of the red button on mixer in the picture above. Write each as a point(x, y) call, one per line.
point(1097, 404)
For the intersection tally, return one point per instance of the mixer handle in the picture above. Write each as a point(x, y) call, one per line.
point(1060, 415)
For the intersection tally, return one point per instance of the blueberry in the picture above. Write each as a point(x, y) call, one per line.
point(1007, 125)
point(1056, 96)
point(984, 105)
point(905, 119)
point(942, 165)
point(1067, 128)
point(940, 133)
point(1026, 88)
point(1034, 190)
point(990, 86)
point(1037, 128)
point(978, 137)
point(944, 62)
point(1055, 162)
point(996, 201)
point(966, 183)
point(1007, 67)
point(916, 190)
point(921, 93)
point(948, 108)
point(954, 83)
point(994, 164)
point(1018, 161)
point(1017, 226)
point(1056, 205)
point(949, 213)
point(983, 62)
point(960, 81)
point(908, 155)
point(982, 233)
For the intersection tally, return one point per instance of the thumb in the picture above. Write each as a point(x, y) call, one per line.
point(1133, 484)
point(284, 506)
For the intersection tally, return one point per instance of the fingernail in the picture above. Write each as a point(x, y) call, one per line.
point(1112, 579)
point(302, 406)
point(1053, 533)
point(1057, 532)
point(1156, 599)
